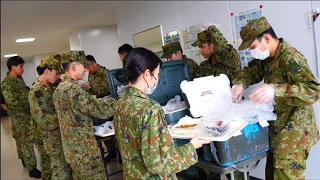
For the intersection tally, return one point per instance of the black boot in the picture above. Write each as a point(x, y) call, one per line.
point(111, 156)
point(24, 165)
point(35, 173)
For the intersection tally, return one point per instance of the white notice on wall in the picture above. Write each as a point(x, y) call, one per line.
point(239, 22)
point(190, 35)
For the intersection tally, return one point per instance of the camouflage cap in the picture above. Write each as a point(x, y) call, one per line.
point(250, 32)
point(203, 37)
point(217, 36)
point(170, 49)
point(211, 34)
point(52, 61)
point(75, 56)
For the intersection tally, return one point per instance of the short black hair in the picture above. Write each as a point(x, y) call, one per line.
point(137, 62)
point(66, 66)
point(41, 70)
point(126, 48)
point(180, 50)
point(90, 58)
point(269, 31)
point(14, 61)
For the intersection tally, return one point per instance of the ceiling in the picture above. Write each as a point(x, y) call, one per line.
point(50, 22)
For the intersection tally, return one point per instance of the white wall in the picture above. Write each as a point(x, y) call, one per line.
point(136, 16)
point(102, 43)
point(74, 41)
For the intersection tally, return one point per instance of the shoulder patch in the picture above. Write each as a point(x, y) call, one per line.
point(38, 94)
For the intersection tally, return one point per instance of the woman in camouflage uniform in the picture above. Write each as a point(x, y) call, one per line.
point(145, 143)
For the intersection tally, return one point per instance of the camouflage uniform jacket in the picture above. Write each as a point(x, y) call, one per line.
point(15, 93)
point(98, 82)
point(228, 63)
point(56, 84)
point(193, 67)
point(296, 89)
point(75, 110)
point(146, 147)
point(42, 107)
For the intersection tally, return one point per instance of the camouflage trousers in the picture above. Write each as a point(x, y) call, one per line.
point(96, 176)
point(26, 151)
point(19, 150)
point(24, 139)
point(46, 171)
point(53, 147)
point(288, 166)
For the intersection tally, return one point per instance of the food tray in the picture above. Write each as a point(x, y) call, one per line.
point(234, 128)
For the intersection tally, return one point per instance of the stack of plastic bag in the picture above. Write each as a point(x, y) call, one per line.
point(104, 129)
point(174, 104)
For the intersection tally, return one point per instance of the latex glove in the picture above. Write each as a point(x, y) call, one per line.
point(263, 94)
point(237, 93)
point(86, 86)
point(107, 98)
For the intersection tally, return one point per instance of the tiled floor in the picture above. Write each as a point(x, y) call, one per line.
point(11, 166)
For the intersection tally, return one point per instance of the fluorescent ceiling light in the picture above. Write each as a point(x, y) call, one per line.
point(10, 55)
point(25, 40)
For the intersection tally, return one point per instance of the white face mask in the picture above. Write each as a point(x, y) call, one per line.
point(150, 90)
point(85, 78)
point(258, 54)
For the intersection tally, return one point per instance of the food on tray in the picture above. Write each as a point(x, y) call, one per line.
point(219, 123)
point(186, 125)
point(217, 127)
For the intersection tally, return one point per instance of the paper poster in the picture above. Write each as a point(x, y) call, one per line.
point(171, 37)
point(240, 21)
point(189, 35)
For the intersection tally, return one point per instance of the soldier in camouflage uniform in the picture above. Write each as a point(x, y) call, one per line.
point(146, 147)
point(15, 93)
point(222, 57)
point(42, 110)
point(291, 83)
point(75, 110)
point(173, 51)
point(45, 162)
point(97, 78)
point(99, 88)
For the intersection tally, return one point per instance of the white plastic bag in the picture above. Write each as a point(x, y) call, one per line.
point(216, 121)
point(251, 112)
point(104, 129)
point(120, 89)
point(174, 105)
